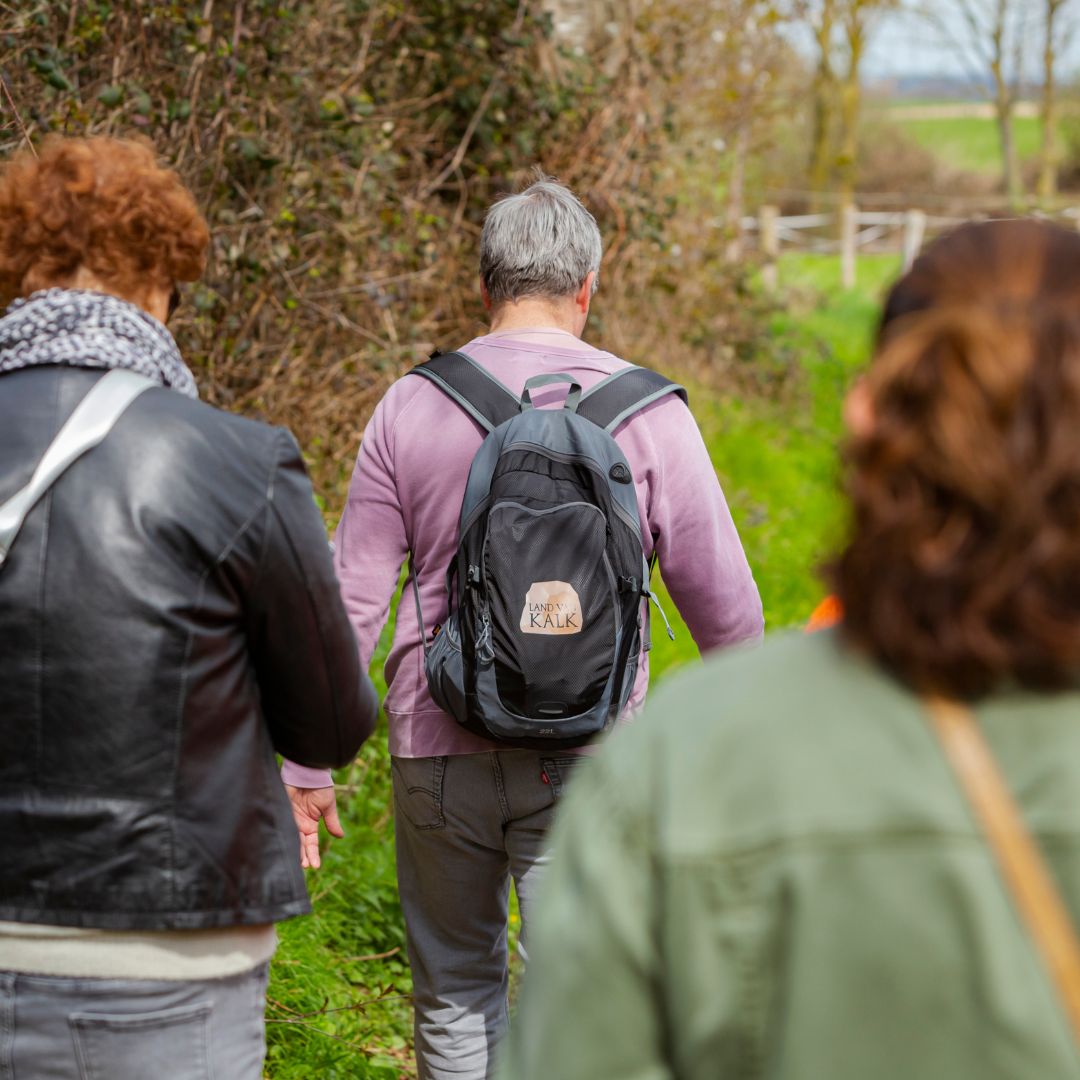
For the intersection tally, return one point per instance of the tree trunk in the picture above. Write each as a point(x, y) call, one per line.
point(850, 102)
point(1003, 111)
point(821, 157)
point(1011, 166)
point(821, 145)
point(1048, 151)
point(733, 210)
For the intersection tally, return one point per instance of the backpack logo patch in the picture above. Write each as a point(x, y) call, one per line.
point(551, 607)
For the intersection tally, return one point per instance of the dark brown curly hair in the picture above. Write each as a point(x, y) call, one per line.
point(100, 204)
point(963, 569)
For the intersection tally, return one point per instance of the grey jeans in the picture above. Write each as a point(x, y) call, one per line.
point(132, 1029)
point(465, 825)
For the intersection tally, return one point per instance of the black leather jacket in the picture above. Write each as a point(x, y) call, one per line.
point(169, 617)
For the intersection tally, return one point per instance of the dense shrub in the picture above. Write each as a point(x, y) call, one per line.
point(344, 151)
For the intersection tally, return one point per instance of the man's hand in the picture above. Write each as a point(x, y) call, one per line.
point(308, 805)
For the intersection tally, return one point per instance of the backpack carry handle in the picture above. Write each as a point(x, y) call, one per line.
point(573, 396)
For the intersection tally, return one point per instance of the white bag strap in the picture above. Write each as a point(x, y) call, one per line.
point(91, 421)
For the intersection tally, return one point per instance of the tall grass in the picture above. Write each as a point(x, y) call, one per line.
point(777, 459)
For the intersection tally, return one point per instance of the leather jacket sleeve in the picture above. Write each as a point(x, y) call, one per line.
point(319, 705)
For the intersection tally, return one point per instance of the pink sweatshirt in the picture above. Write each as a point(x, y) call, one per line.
point(406, 494)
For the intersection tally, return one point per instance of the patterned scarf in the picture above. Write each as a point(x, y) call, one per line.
point(89, 329)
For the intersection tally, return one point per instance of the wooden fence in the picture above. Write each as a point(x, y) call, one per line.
point(849, 230)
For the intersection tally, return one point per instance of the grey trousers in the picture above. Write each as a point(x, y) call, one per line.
point(54, 1028)
point(465, 825)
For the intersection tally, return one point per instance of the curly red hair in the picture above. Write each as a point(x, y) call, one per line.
point(963, 569)
point(102, 205)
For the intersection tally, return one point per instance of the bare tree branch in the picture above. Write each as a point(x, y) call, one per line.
point(15, 113)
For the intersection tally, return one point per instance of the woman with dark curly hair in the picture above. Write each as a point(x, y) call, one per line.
point(169, 618)
point(777, 872)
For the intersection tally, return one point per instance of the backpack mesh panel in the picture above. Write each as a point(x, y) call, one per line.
point(550, 674)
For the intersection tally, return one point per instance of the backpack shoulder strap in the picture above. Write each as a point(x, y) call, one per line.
point(476, 391)
point(619, 396)
point(92, 419)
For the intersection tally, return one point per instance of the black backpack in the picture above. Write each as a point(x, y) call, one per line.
point(544, 633)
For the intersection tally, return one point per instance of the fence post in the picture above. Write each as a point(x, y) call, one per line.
point(769, 235)
point(914, 231)
point(849, 228)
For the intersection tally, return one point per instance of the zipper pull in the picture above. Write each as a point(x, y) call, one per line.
point(663, 615)
point(485, 651)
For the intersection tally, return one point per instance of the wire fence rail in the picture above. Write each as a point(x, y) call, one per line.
point(849, 230)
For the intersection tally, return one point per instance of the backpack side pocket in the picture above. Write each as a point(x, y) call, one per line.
point(445, 670)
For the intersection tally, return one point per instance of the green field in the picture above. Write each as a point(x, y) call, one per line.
point(967, 143)
point(337, 1001)
point(971, 143)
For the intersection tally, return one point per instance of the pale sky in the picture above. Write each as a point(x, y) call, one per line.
point(905, 44)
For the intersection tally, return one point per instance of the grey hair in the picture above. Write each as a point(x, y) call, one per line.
point(539, 242)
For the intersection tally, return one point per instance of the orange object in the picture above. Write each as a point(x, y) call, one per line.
point(828, 613)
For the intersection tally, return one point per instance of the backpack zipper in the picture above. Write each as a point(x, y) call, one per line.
point(578, 459)
point(485, 650)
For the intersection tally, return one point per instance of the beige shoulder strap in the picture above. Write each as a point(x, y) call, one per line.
point(1022, 866)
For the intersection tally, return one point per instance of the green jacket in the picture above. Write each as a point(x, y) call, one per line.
point(774, 874)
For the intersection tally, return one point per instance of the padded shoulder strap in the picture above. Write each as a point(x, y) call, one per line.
point(92, 419)
point(480, 394)
point(626, 392)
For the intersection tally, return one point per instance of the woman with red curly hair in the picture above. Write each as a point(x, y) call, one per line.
point(785, 868)
point(169, 618)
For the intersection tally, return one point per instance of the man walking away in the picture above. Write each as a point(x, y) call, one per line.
point(472, 813)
